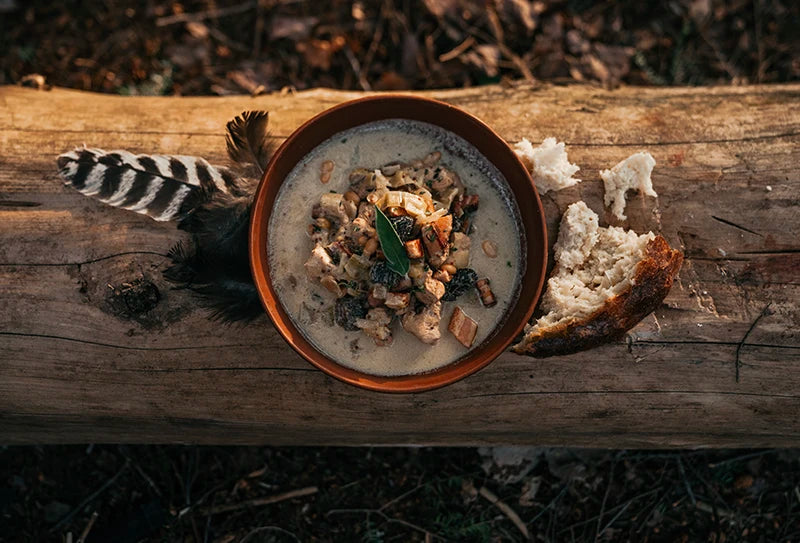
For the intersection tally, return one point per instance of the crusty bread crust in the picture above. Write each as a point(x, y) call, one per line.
point(651, 283)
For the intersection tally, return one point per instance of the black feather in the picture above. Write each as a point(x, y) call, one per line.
point(248, 140)
point(216, 264)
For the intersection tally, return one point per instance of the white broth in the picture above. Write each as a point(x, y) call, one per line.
point(310, 305)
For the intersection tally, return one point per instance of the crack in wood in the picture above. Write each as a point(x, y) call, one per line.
point(215, 368)
point(772, 252)
point(124, 347)
point(742, 342)
point(18, 203)
point(731, 223)
point(84, 262)
point(632, 392)
point(706, 342)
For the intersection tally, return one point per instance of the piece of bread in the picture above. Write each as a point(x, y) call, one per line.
point(604, 282)
point(548, 164)
point(632, 173)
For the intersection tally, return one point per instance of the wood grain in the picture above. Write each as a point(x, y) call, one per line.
point(74, 368)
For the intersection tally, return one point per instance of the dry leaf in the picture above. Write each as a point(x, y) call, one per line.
point(483, 57)
point(440, 8)
point(513, 12)
point(318, 53)
point(293, 28)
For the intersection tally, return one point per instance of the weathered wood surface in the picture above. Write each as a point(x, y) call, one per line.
point(73, 369)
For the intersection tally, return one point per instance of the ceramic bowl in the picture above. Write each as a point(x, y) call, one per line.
point(474, 131)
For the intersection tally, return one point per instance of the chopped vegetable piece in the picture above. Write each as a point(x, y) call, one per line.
point(462, 327)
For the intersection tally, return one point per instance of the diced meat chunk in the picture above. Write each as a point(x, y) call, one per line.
point(376, 325)
point(414, 249)
point(398, 300)
point(463, 328)
point(424, 325)
point(432, 290)
point(319, 263)
point(436, 238)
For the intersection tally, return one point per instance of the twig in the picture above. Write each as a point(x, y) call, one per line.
point(605, 499)
point(385, 517)
point(713, 510)
point(401, 496)
point(686, 480)
point(759, 44)
point(373, 46)
point(742, 457)
point(259, 29)
point(457, 50)
point(613, 520)
point(742, 342)
point(622, 505)
point(85, 532)
point(260, 529)
point(351, 58)
point(89, 499)
point(203, 15)
point(549, 505)
point(257, 502)
point(507, 511)
point(124, 452)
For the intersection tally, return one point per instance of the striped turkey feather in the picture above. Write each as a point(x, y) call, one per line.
point(163, 187)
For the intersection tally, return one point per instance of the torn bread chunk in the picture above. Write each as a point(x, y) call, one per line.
point(604, 282)
point(632, 173)
point(548, 164)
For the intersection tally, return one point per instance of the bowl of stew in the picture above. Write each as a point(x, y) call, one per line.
point(397, 243)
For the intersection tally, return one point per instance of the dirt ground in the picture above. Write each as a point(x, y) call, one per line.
point(224, 495)
point(219, 494)
point(208, 47)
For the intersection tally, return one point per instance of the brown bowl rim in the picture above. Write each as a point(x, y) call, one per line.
point(392, 106)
